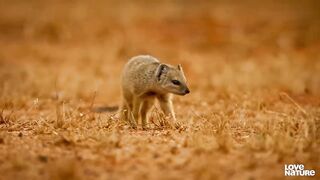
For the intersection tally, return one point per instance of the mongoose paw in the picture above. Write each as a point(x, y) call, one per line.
point(133, 126)
point(145, 127)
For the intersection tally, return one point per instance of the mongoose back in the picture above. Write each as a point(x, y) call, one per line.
point(144, 79)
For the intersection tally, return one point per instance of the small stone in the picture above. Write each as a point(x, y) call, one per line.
point(43, 158)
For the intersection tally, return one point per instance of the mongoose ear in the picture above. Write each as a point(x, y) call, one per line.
point(161, 69)
point(181, 70)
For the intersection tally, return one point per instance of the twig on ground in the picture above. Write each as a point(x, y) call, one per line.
point(294, 102)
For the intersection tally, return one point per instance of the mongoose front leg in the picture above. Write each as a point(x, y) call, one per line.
point(166, 106)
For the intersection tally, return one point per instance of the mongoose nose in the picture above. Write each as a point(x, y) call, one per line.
point(187, 91)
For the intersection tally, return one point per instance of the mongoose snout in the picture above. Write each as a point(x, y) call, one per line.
point(184, 91)
point(144, 79)
point(187, 91)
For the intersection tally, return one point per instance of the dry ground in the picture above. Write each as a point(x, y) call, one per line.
point(253, 69)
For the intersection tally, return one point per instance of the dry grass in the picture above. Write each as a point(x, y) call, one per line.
point(254, 76)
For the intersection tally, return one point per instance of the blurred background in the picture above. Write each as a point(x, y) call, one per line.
point(81, 46)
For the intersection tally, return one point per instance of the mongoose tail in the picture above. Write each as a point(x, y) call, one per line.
point(102, 109)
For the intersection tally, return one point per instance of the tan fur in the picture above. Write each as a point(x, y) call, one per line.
point(144, 79)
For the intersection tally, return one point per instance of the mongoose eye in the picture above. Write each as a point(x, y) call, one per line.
point(176, 82)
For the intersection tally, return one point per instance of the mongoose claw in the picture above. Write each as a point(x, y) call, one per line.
point(177, 125)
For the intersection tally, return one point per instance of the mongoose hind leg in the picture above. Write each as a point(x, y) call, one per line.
point(128, 111)
point(144, 111)
point(136, 109)
point(124, 111)
point(131, 117)
point(126, 115)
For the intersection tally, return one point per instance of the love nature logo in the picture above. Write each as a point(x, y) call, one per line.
point(297, 170)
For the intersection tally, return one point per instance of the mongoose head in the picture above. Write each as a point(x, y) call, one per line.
point(171, 79)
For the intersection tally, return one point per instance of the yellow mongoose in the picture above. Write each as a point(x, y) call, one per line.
point(145, 78)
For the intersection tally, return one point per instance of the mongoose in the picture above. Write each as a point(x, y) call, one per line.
point(144, 79)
